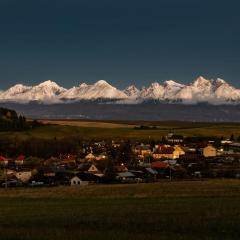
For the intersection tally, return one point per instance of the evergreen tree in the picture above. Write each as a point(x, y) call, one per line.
point(232, 137)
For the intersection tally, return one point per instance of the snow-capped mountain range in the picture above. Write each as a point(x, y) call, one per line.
point(201, 90)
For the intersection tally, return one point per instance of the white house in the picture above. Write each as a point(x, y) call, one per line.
point(76, 181)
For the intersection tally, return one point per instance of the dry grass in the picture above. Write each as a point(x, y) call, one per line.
point(90, 124)
point(164, 189)
point(115, 130)
point(166, 210)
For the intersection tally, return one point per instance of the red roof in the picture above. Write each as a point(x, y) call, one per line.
point(21, 157)
point(159, 164)
point(2, 159)
point(164, 150)
point(68, 157)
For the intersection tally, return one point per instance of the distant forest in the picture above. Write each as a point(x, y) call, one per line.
point(10, 121)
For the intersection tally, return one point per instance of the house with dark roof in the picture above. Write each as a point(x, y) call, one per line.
point(175, 139)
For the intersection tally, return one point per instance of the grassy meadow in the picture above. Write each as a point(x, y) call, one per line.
point(114, 130)
point(165, 210)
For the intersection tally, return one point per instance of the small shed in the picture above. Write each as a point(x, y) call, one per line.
point(76, 181)
point(151, 171)
point(126, 177)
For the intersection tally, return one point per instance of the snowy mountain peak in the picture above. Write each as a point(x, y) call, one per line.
point(154, 91)
point(201, 90)
point(171, 88)
point(16, 89)
point(100, 90)
point(170, 82)
point(132, 91)
point(155, 85)
point(132, 88)
point(218, 82)
point(201, 81)
point(19, 86)
point(14, 92)
point(102, 83)
point(83, 85)
point(48, 83)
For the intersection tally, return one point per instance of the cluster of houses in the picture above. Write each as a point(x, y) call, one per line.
point(174, 159)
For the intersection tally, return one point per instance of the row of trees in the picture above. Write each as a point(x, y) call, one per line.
point(10, 121)
point(42, 148)
point(45, 148)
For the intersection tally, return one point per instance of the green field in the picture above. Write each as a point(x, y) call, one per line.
point(99, 130)
point(165, 210)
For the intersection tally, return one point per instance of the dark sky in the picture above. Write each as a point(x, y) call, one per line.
point(123, 42)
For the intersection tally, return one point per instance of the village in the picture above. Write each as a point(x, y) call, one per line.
point(125, 162)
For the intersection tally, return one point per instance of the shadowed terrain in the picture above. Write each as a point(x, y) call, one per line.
point(149, 111)
point(166, 210)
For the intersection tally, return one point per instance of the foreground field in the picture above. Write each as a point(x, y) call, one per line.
point(166, 210)
point(113, 130)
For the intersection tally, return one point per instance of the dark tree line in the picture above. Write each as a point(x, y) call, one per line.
point(124, 154)
point(10, 121)
point(42, 148)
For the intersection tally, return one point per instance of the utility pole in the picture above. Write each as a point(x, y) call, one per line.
point(5, 165)
point(170, 171)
